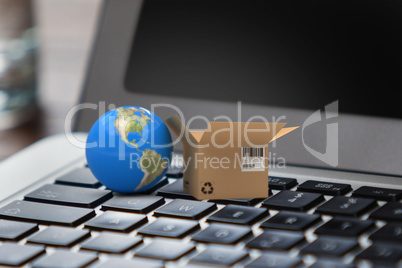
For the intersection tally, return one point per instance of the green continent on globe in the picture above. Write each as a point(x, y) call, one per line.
point(128, 122)
point(152, 165)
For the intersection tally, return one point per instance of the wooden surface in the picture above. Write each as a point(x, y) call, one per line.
point(66, 31)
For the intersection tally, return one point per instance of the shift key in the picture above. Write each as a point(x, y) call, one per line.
point(326, 188)
point(45, 213)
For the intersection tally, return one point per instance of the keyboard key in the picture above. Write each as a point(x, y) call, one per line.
point(69, 195)
point(347, 206)
point(165, 250)
point(222, 233)
point(382, 253)
point(16, 255)
point(59, 236)
point(117, 221)
point(242, 202)
point(281, 183)
point(391, 232)
point(111, 243)
point(65, 259)
point(14, 230)
point(291, 221)
point(82, 177)
point(133, 203)
point(345, 227)
point(170, 228)
point(278, 240)
point(45, 213)
point(326, 188)
point(336, 263)
point(378, 193)
point(238, 214)
point(389, 212)
point(271, 259)
point(175, 190)
point(330, 246)
point(136, 262)
point(219, 256)
point(292, 200)
point(186, 209)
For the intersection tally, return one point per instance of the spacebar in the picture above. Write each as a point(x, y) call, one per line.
point(45, 213)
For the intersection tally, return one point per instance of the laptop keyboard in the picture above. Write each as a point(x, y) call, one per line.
point(76, 221)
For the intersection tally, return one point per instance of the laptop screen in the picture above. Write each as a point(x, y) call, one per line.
point(298, 54)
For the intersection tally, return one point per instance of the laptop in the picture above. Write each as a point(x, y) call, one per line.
point(331, 67)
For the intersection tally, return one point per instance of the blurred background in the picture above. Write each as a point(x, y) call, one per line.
point(59, 46)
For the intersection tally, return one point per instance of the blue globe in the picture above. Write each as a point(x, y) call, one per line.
point(128, 149)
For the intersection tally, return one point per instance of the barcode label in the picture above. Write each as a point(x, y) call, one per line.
point(253, 151)
point(253, 158)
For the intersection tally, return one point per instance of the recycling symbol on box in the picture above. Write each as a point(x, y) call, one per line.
point(207, 188)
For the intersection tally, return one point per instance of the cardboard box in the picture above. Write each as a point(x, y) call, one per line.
point(228, 159)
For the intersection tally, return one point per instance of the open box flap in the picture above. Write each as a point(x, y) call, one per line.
point(222, 133)
point(180, 130)
point(283, 132)
point(257, 133)
point(197, 135)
